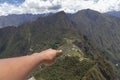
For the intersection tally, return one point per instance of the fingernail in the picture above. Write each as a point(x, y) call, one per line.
point(60, 50)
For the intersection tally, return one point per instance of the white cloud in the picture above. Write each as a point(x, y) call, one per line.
point(71, 6)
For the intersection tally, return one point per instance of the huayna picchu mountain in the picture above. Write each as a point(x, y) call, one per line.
point(84, 38)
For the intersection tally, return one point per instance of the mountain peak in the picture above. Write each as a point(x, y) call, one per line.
point(58, 16)
point(61, 13)
point(88, 11)
point(55, 16)
point(88, 14)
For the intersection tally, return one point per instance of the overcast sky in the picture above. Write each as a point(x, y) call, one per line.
point(46, 6)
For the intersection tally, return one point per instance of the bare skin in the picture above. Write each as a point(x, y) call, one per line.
point(19, 68)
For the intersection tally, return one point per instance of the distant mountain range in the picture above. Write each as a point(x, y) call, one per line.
point(114, 13)
point(18, 19)
point(89, 40)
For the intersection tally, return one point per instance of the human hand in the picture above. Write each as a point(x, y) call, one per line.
point(49, 55)
point(18, 68)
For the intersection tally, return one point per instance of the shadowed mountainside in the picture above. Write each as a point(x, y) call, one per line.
point(101, 30)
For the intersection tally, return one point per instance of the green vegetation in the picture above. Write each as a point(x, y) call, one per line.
point(69, 68)
point(75, 53)
point(73, 65)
